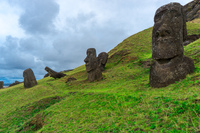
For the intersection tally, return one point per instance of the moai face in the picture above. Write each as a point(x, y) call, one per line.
point(91, 60)
point(169, 31)
point(102, 60)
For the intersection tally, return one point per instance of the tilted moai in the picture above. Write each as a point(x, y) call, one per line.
point(102, 60)
point(169, 32)
point(54, 74)
point(92, 67)
point(29, 78)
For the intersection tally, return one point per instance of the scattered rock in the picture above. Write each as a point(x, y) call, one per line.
point(54, 74)
point(15, 83)
point(29, 78)
point(170, 64)
point(70, 79)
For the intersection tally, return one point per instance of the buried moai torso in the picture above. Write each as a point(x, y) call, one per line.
point(169, 32)
point(92, 67)
point(102, 60)
point(29, 78)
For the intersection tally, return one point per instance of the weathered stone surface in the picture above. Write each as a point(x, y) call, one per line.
point(29, 78)
point(92, 67)
point(102, 60)
point(162, 75)
point(1, 84)
point(15, 83)
point(54, 74)
point(192, 10)
point(169, 32)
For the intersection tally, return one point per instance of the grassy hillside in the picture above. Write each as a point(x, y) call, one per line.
point(122, 101)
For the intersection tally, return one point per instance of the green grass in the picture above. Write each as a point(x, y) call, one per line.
point(122, 101)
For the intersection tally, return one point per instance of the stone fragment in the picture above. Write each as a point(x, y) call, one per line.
point(168, 34)
point(54, 74)
point(29, 78)
point(92, 67)
point(102, 60)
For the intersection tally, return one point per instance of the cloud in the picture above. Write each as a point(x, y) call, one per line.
point(57, 33)
point(38, 16)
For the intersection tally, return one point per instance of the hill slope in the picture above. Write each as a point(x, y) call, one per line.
point(122, 102)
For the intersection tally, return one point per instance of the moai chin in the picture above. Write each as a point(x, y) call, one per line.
point(92, 67)
point(29, 78)
point(168, 34)
point(102, 60)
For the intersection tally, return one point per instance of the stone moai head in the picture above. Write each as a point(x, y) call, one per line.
point(169, 32)
point(91, 60)
point(29, 78)
point(102, 60)
point(92, 67)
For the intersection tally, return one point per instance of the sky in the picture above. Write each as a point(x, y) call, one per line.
point(56, 33)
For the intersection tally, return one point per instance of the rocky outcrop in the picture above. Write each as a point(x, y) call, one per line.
point(192, 10)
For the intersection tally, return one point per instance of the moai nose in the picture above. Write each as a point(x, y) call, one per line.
point(163, 33)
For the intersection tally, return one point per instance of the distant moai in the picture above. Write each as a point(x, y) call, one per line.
point(168, 34)
point(29, 78)
point(92, 66)
point(1, 84)
point(102, 60)
point(53, 73)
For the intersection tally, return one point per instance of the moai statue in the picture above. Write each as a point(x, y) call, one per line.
point(102, 60)
point(169, 32)
point(1, 84)
point(54, 74)
point(92, 67)
point(29, 78)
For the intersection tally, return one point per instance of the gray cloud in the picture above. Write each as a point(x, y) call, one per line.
point(59, 39)
point(38, 15)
